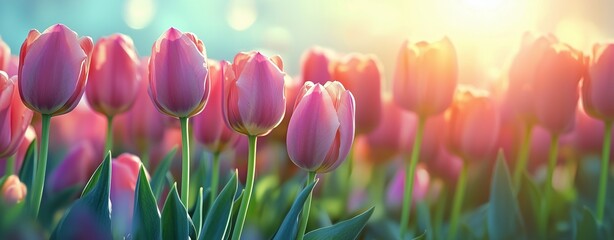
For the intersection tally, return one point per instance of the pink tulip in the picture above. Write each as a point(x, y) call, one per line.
point(291, 88)
point(473, 125)
point(597, 100)
point(21, 151)
point(321, 130)
point(12, 68)
point(5, 55)
point(14, 117)
point(13, 190)
point(114, 75)
point(394, 195)
point(361, 75)
point(558, 76)
point(75, 169)
point(253, 99)
point(425, 77)
point(317, 65)
point(125, 172)
point(53, 69)
point(178, 74)
point(587, 134)
point(445, 166)
point(209, 126)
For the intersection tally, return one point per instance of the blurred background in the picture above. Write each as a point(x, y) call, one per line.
point(485, 32)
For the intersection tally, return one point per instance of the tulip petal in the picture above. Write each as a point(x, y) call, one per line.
point(345, 135)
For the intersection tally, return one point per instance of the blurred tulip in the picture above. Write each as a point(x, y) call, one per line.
point(14, 117)
point(587, 134)
point(558, 76)
point(321, 130)
point(445, 166)
point(394, 195)
point(123, 184)
point(253, 99)
point(317, 65)
point(12, 68)
point(53, 69)
point(75, 169)
point(361, 75)
point(13, 190)
point(209, 126)
point(292, 86)
point(598, 101)
point(178, 75)
point(29, 136)
point(425, 77)
point(433, 136)
point(114, 77)
point(473, 125)
point(5, 55)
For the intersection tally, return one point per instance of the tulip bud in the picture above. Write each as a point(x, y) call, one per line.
point(5, 55)
point(14, 117)
point(425, 77)
point(53, 69)
point(178, 74)
point(361, 75)
point(113, 78)
point(317, 65)
point(13, 190)
point(125, 171)
point(596, 97)
point(209, 126)
point(253, 99)
point(321, 130)
point(473, 125)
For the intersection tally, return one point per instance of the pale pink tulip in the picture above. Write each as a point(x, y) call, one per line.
point(14, 116)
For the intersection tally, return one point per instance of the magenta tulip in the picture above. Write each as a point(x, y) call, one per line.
point(253, 99)
point(5, 56)
point(425, 77)
point(14, 117)
point(114, 77)
point(13, 190)
point(317, 65)
point(123, 184)
point(53, 69)
point(321, 130)
point(178, 74)
point(597, 100)
point(209, 126)
point(75, 169)
point(361, 75)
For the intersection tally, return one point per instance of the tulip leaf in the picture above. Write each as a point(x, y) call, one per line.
point(503, 216)
point(91, 214)
point(218, 218)
point(26, 173)
point(289, 227)
point(197, 216)
point(529, 199)
point(146, 218)
point(175, 218)
point(158, 177)
point(235, 211)
point(587, 227)
point(344, 230)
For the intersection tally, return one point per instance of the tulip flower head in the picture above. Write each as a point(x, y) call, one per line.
point(13, 190)
point(253, 99)
point(14, 117)
point(597, 98)
point(321, 130)
point(425, 77)
point(317, 65)
point(114, 75)
point(123, 184)
point(53, 69)
point(178, 74)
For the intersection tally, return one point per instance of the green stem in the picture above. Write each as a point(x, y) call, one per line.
point(10, 166)
point(409, 177)
point(377, 185)
point(459, 195)
point(552, 157)
point(440, 208)
point(108, 145)
point(215, 172)
point(523, 156)
point(39, 178)
point(249, 185)
point(603, 180)
point(185, 161)
point(306, 208)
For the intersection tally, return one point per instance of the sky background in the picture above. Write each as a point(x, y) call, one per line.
point(486, 33)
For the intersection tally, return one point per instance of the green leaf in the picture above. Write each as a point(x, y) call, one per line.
point(218, 218)
point(26, 173)
point(529, 199)
point(344, 230)
point(146, 221)
point(422, 236)
point(289, 227)
point(158, 177)
point(91, 214)
point(587, 228)
point(504, 219)
point(197, 216)
point(235, 211)
point(175, 218)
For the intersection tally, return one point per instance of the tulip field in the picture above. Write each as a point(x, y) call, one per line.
point(101, 141)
